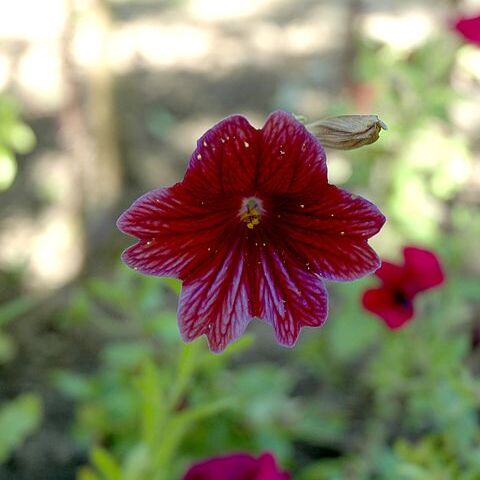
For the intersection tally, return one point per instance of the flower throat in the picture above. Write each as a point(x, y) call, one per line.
point(251, 212)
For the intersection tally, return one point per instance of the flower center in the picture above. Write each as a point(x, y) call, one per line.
point(401, 298)
point(251, 211)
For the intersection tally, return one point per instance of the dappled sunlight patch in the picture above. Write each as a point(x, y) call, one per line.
point(40, 78)
point(220, 10)
point(32, 20)
point(47, 249)
point(401, 31)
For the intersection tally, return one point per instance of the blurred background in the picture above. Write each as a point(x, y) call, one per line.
point(101, 101)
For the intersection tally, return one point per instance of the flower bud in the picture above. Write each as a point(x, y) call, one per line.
point(347, 132)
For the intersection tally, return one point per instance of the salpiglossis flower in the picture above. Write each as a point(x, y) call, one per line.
point(393, 301)
point(239, 466)
point(252, 230)
point(469, 28)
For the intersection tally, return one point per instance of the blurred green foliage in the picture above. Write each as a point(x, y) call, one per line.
point(19, 417)
point(151, 384)
point(8, 313)
point(15, 137)
point(352, 400)
point(354, 392)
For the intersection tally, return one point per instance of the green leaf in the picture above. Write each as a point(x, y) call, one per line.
point(16, 308)
point(126, 355)
point(152, 403)
point(73, 385)
point(137, 463)
point(174, 284)
point(187, 363)
point(19, 418)
point(8, 168)
point(177, 428)
point(22, 138)
point(106, 464)
point(86, 473)
point(7, 348)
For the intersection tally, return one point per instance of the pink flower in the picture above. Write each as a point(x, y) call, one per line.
point(393, 300)
point(469, 28)
point(252, 230)
point(238, 466)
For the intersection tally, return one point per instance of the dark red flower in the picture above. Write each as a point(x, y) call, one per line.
point(251, 230)
point(238, 466)
point(469, 28)
point(393, 300)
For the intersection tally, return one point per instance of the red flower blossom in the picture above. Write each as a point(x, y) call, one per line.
point(251, 230)
point(469, 28)
point(393, 300)
point(237, 467)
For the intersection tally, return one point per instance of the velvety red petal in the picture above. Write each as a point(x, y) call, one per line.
point(268, 469)
point(237, 467)
point(328, 233)
point(215, 301)
point(177, 232)
point(469, 28)
point(293, 160)
point(391, 274)
point(424, 268)
point(246, 279)
point(381, 302)
point(284, 295)
point(225, 160)
point(233, 467)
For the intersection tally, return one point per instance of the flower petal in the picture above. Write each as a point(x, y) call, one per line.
point(381, 302)
point(423, 268)
point(177, 232)
point(215, 302)
point(237, 466)
point(329, 232)
point(233, 467)
point(469, 28)
point(268, 469)
point(287, 297)
point(226, 159)
point(390, 274)
point(293, 160)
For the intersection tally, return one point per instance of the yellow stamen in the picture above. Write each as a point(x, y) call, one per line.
point(252, 216)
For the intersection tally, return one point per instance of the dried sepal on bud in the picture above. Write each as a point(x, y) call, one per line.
point(347, 132)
